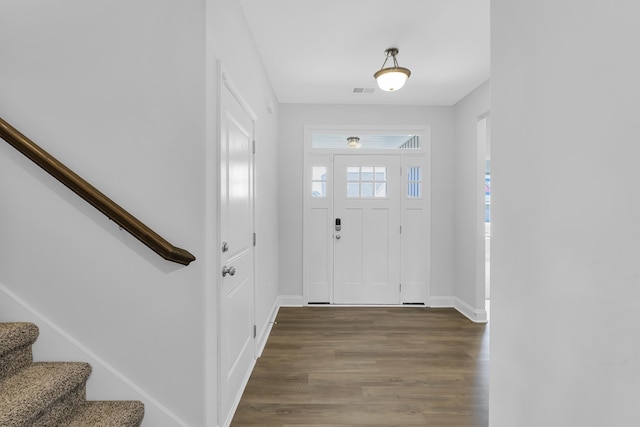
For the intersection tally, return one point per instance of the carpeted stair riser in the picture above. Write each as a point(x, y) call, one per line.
point(51, 394)
point(57, 413)
point(112, 414)
point(15, 346)
point(46, 390)
point(15, 360)
point(16, 334)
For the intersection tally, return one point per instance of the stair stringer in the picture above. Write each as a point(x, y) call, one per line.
point(105, 383)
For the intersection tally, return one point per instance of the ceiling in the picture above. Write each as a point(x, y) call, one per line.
point(318, 51)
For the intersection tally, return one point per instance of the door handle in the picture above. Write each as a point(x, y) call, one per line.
point(338, 237)
point(228, 270)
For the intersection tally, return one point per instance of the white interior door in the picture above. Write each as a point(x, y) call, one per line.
point(236, 342)
point(366, 239)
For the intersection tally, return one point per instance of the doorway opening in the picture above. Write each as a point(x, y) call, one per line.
point(484, 156)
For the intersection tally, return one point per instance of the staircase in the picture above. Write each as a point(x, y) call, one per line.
point(51, 393)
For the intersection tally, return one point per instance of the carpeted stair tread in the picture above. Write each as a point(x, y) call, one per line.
point(108, 414)
point(16, 335)
point(31, 391)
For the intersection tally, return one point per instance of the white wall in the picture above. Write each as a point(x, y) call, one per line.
point(114, 90)
point(565, 228)
point(293, 118)
point(124, 94)
point(467, 112)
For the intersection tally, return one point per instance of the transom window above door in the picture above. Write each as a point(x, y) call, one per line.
point(366, 141)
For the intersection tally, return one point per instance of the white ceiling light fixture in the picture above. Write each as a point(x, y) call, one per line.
point(353, 142)
point(391, 78)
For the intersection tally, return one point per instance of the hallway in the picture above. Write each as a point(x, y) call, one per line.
point(338, 366)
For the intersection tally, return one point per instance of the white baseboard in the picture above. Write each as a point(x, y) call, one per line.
point(238, 398)
point(105, 383)
point(261, 341)
point(441, 302)
point(473, 314)
point(290, 301)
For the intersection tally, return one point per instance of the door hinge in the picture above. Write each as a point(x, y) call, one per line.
point(253, 146)
point(400, 229)
point(254, 239)
point(400, 287)
point(255, 331)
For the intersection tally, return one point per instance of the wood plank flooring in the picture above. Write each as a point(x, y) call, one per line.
point(369, 366)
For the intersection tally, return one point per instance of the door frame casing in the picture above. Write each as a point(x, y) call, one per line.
point(327, 155)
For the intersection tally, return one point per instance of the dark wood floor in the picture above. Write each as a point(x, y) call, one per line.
point(375, 367)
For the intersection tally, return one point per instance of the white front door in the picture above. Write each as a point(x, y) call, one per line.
point(366, 229)
point(236, 333)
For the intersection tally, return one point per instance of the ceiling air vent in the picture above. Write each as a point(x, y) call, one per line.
point(363, 90)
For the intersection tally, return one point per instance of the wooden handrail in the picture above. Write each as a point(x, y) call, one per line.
point(94, 197)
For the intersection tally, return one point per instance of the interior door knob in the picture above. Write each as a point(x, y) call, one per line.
point(338, 237)
point(228, 270)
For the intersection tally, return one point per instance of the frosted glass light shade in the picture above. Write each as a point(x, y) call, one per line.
point(390, 79)
point(353, 142)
